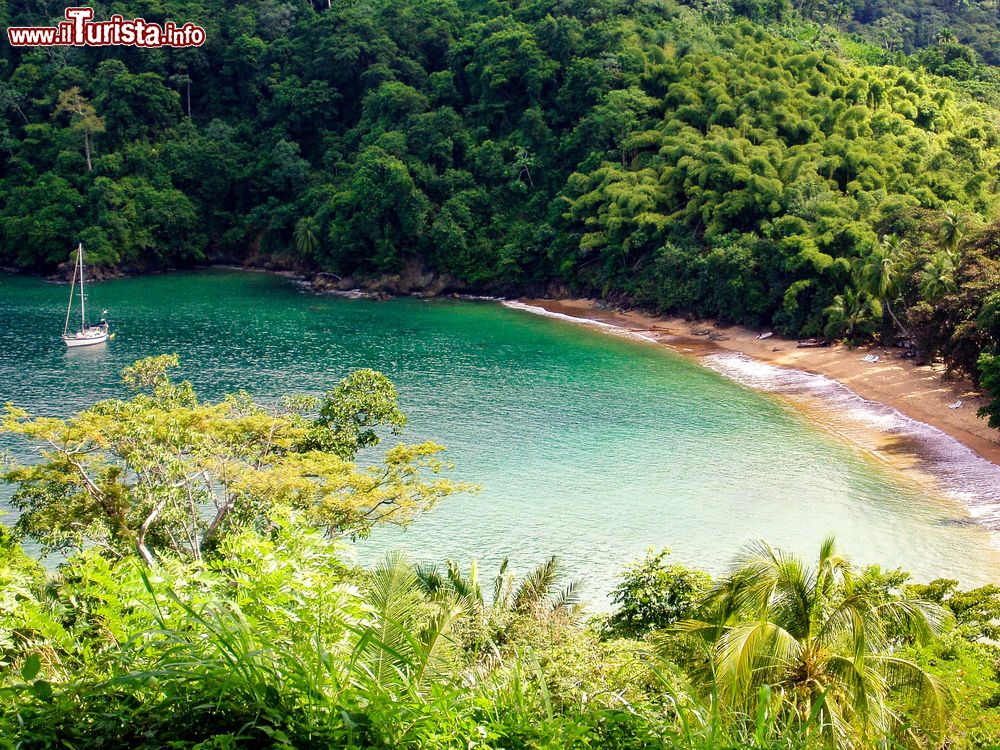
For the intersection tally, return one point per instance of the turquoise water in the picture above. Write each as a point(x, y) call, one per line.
point(588, 446)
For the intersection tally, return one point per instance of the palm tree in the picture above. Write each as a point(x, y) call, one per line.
point(539, 592)
point(822, 639)
point(540, 595)
point(938, 277)
point(951, 230)
point(851, 315)
point(408, 636)
point(880, 275)
point(306, 236)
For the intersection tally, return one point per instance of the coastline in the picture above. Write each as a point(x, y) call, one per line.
point(892, 408)
point(919, 392)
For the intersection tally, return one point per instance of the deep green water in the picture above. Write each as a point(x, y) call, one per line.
point(587, 446)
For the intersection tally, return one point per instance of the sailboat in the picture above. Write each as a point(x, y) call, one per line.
point(88, 335)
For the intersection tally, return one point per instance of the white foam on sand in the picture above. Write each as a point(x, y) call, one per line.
point(964, 475)
point(608, 327)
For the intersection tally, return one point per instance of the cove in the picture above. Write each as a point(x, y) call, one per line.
point(587, 446)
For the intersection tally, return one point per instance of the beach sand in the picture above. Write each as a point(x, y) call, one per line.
point(919, 392)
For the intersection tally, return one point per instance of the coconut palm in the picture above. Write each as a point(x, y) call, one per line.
point(539, 592)
point(822, 639)
point(938, 277)
point(540, 596)
point(851, 315)
point(951, 230)
point(880, 275)
point(306, 236)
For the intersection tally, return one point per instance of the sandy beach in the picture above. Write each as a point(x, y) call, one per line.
point(919, 392)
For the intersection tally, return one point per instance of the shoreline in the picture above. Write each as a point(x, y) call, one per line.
point(917, 392)
point(893, 410)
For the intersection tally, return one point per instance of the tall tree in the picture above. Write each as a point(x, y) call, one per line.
point(164, 471)
point(83, 118)
point(881, 274)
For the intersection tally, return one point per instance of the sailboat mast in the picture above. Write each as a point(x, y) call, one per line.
point(83, 298)
point(69, 307)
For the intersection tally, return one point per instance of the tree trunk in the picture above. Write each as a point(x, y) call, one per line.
point(189, 99)
point(902, 328)
point(886, 329)
point(86, 150)
point(140, 541)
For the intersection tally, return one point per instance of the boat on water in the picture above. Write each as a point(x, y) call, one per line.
point(88, 335)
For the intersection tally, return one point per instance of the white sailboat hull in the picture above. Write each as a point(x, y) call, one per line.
point(86, 338)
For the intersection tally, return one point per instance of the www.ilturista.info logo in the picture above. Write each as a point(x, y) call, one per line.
point(79, 30)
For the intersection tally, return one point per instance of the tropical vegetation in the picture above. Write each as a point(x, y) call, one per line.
point(812, 166)
point(207, 598)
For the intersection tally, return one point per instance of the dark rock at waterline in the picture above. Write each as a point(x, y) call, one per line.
point(64, 272)
point(413, 279)
point(558, 290)
point(330, 282)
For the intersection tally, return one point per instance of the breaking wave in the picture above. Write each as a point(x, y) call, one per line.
point(608, 327)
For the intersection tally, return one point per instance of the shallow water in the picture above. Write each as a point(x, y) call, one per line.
point(588, 446)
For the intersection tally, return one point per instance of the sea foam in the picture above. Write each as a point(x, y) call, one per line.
point(608, 327)
point(963, 474)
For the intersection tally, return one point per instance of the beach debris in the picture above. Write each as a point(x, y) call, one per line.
point(700, 332)
point(717, 337)
point(956, 405)
point(767, 335)
point(871, 358)
point(812, 343)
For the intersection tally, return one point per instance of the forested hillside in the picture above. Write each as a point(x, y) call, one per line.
point(907, 25)
point(742, 159)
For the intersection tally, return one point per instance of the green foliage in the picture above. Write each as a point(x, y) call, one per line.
point(771, 163)
point(976, 611)
point(166, 472)
point(364, 400)
point(271, 640)
point(989, 368)
point(825, 636)
point(653, 594)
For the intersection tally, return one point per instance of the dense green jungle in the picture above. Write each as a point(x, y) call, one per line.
point(818, 168)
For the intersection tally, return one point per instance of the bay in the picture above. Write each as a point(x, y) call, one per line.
point(587, 446)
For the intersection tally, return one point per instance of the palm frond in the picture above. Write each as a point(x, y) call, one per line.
point(394, 597)
point(437, 654)
point(929, 694)
point(536, 586)
point(502, 586)
point(920, 619)
point(430, 578)
point(750, 654)
point(567, 600)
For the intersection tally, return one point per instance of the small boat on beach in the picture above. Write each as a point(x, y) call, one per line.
point(88, 335)
point(812, 343)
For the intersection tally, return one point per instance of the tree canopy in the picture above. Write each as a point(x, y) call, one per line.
point(166, 472)
point(749, 160)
